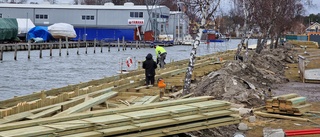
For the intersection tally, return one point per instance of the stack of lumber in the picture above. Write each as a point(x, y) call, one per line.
point(155, 119)
point(292, 104)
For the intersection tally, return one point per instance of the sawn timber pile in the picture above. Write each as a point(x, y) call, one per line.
point(156, 119)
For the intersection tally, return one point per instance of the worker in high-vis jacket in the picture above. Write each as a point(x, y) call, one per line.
point(161, 54)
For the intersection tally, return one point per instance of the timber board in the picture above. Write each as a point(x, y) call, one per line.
point(160, 123)
point(100, 113)
point(176, 129)
point(104, 125)
point(111, 119)
point(45, 113)
point(88, 104)
point(29, 131)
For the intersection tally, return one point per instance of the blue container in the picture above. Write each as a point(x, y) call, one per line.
point(103, 33)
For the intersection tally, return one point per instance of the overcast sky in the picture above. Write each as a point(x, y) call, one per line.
point(225, 4)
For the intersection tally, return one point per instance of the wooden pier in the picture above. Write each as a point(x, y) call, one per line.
point(97, 45)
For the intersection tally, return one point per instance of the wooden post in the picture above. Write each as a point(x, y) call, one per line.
point(109, 47)
point(86, 47)
point(51, 45)
point(118, 44)
point(139, 65)
point(1, 53)
point(67, 45)
point(60, 44)
point(101, 47)
point(15, 52)
point(94, 45)
point(136, 44)
point(123, 44)
point(29, 48)
point(78, 47)
point(139, 45)
point(40, 48)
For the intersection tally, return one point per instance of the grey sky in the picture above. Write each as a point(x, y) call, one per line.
point(225, 4)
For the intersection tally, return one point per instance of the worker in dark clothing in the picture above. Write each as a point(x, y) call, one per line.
point(149, 65)
point(161, 54)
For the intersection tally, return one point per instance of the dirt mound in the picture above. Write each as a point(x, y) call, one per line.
point(246, 82)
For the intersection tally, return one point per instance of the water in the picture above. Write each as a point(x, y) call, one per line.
point(23, 76)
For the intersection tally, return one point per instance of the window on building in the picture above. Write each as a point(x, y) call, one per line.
point(136, 14)
point(87, 17)
point(0, 15)
point(42, 16)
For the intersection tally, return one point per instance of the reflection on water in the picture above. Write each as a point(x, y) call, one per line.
point(25, 76)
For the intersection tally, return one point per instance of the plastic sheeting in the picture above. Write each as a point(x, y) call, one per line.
point(24, 25)
point(8, 29)
point(40, 32)
point(62, 30)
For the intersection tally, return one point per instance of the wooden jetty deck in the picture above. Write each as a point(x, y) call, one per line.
point(123, 97)
point(97, 45)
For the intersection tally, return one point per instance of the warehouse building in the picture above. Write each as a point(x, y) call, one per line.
point(108, 21)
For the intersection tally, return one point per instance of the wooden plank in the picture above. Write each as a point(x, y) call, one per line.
point(165, 122)
point(152, 99)
point(176, 129)
point(88, 104)
point(29, 131)
point(153, 124)
point(280, 116)
point(287, 96)
point(296, 101)
point(15, 117)
point(101, 113)
point(45, 113)
point(131, 99)
point(302, 108)
point(71, 103)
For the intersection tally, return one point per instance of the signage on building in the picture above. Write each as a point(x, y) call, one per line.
point(135, 21)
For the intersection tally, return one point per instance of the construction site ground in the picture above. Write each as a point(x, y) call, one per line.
point(276, 71)
point(245, 84)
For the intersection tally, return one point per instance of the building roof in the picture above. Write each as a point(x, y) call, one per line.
point(314, 26)
point(64, 6)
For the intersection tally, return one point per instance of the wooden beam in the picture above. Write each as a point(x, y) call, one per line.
point(15, 117)
point(280, 116)
point(45, 113)
point(88, 104)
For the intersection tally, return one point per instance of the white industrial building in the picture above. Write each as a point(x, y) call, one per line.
point(128, 21)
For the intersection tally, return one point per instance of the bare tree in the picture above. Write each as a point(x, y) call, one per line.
point(270, 16)
point(206, 9)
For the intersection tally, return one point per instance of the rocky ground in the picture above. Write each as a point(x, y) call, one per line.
point(249, 84)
